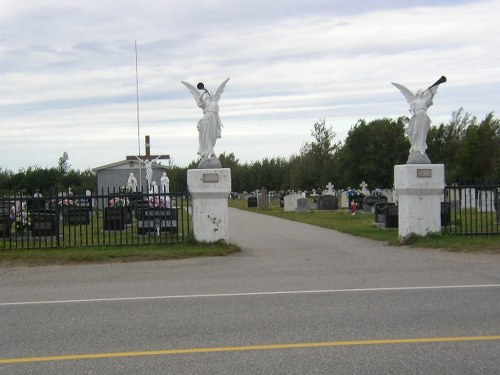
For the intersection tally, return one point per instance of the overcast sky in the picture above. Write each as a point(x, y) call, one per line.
point(68, 73)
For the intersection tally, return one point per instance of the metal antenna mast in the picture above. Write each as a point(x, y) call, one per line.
point(137, 96)
point(138, 122)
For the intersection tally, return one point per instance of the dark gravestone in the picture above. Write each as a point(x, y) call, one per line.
point(114, 218)
point(328, 202)
point(5, 226)
point(370, 201)
point(75, 215)
point(252, 202)
point(302, 205)
point(44, 223)
point(445, 213)
point(391, 217)
point(380, 211)
point(35, 203)
point(156, 220)
point(497, 206)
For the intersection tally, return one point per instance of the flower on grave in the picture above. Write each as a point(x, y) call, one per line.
point(66, 202)
point(125, 189)
point(378, 193)
point(156, 202)
point(119, 202)
point(354, 193)
point(20, 217)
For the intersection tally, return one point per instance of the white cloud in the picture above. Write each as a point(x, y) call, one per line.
point(68, 71)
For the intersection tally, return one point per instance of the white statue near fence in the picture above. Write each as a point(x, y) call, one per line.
point(420, 122)
point(209, 127)
point(164, 183)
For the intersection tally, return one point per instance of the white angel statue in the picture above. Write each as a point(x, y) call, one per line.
point(420, 122)
point(209, 127)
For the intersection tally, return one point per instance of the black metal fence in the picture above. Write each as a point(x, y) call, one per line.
point(106, 219)
point(471, 210)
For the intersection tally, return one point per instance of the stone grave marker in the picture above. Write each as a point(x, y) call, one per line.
point(364, 188)
point(291, 202)
point(344, 200)
point(469, 198)
point(329, 189)
point(263, 200)
point(328, 202)
point(302, 205)
point(486, 200)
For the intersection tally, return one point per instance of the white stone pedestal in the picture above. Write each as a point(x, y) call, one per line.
point(210, 190)
point(420, 188)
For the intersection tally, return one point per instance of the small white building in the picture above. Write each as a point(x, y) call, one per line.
point(115, 175)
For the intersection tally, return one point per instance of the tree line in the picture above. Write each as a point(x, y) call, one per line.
point(469, 148)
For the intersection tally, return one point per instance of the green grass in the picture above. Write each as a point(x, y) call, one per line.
point(362, 225)
point(108, 254)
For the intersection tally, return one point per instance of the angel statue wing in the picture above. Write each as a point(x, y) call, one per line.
point(193, 89)
point(406, 92)
point(220, 89)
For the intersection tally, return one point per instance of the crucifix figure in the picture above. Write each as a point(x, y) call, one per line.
point(148, 161)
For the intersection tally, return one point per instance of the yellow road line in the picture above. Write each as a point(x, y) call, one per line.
point(248, 348)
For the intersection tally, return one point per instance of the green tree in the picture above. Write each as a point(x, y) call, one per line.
point(445, 143)
point(63, 164)
point(479, 159)
point(317, 157)
point(370, 152)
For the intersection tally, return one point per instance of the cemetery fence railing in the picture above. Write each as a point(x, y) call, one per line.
point(109, 218)
point(471, 210)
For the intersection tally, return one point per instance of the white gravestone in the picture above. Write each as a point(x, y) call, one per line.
point(364, 188)
point(469, 198)
point(329, 189)
point(291, 202)
point(344, 200)
point(486, 200)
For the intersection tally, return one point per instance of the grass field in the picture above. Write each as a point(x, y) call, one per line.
point(108, 254)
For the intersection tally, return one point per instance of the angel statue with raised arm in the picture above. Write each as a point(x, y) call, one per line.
point(420, 122)
point(209, 127)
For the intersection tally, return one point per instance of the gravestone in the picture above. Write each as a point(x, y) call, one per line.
point(497, 206)
point(291, 202)
point(469, 198)
point(302, 205)
point(445, 214)
point(389, 193)
point(263, 200)
point(252, 202)
point(328, 202)
point(370, 202)
point(344, 200)
point(5, 225)
point(364, 188)
point(391, 217)
point(454, 198)
point(156, 220)
point(44, 223)
point(329, 189)
point(380, 211)
point(486, 200)
point(114, 218)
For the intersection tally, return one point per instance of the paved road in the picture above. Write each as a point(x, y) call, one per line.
point(298, 299)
